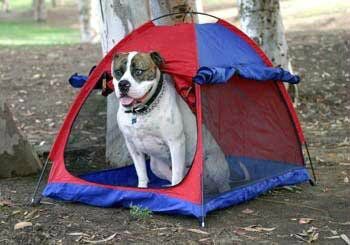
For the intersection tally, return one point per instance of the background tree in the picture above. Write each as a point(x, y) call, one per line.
point(6, 5)
point(162, 7)
point(88, 21)
point(39, 8)
point(261, 20)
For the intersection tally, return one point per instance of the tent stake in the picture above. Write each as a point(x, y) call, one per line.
point(312, 182)
point(33, 202)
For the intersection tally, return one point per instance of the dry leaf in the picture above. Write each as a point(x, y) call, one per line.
point(257, 228)
point(305, 221)
point(313, 237)
point(332, 237)
point(47, 203)
point(22, 225)
point(77, 234)
point(31, 214)
point(198, 231)
point(345, 239)
point(204, 239)
point(308, 236)
point(248, 211)
point(7, 203)
point(100, 241)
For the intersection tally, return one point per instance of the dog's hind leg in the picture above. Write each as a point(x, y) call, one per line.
point(178, 155)
point(160, 168)
point(140, 164)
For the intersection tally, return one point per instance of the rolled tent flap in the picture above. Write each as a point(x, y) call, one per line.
point(214, 75)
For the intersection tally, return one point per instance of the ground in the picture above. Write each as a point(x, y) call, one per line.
point(33, 79)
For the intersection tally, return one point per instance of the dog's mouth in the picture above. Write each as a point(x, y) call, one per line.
point(128, 101)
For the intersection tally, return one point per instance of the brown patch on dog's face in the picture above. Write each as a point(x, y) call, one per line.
point(143, 67)
point(119, 65)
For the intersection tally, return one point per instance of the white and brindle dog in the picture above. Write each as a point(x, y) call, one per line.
point(156, 121)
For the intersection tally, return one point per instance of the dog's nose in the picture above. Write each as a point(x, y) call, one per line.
point(124, 86)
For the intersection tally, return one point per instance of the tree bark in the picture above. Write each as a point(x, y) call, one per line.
point(162, 7)
point(6, 5)
point(261, 20)
point(87, 19)
point(39, 10)
point(17, 157)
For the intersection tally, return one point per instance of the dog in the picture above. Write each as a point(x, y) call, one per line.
point(156, 122)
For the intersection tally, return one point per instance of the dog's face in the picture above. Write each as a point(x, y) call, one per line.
point(135, 76)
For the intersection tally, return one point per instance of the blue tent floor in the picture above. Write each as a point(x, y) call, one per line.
point(263, 176)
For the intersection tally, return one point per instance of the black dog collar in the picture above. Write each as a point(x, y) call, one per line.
point(144, 107)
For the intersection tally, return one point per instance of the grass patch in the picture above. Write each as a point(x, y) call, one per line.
point(26, 5)
point(140, 213)
point(33, 33)
point(20, 5)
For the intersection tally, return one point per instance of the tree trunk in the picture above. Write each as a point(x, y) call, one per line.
point(39, 10)
point(6, 5)
point(87, 18)
point(261, 20)
point(17, 157)
point(53, 3)
point(118, 18)
point(162, 7)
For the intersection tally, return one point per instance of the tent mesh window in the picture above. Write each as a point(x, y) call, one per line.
point(237, 114)
point(86, 147)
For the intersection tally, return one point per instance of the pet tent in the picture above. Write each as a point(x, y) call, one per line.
point(232, 88)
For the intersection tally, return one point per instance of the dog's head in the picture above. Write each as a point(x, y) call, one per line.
point(136, 76)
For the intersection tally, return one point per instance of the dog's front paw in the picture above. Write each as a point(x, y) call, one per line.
point(143, 184)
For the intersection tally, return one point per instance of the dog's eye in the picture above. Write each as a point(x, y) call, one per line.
point(118, 73)
point(138, 72)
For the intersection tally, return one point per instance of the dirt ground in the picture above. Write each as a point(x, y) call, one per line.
point(34, 81)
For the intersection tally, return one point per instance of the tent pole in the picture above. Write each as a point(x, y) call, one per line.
point(203, 222)
point(33, 201)
point(314, 181)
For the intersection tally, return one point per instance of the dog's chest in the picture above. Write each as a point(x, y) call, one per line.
point(150, 133)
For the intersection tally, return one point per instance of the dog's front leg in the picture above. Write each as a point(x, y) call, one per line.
point(140, 164)
point(178, 155)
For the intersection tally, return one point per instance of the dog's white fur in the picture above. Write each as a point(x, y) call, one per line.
point(168, 134)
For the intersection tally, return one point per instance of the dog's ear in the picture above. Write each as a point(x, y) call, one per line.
point(157, 58)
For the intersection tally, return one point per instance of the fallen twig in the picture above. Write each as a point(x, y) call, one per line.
point(100, 241)
point(345, 239)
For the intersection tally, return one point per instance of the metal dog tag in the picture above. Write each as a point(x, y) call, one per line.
point(133, 119)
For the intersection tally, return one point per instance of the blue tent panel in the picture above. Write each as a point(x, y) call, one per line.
point(214, 75)
point(223, 54)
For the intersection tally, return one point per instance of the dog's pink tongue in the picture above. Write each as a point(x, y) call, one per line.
point(126, 100)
